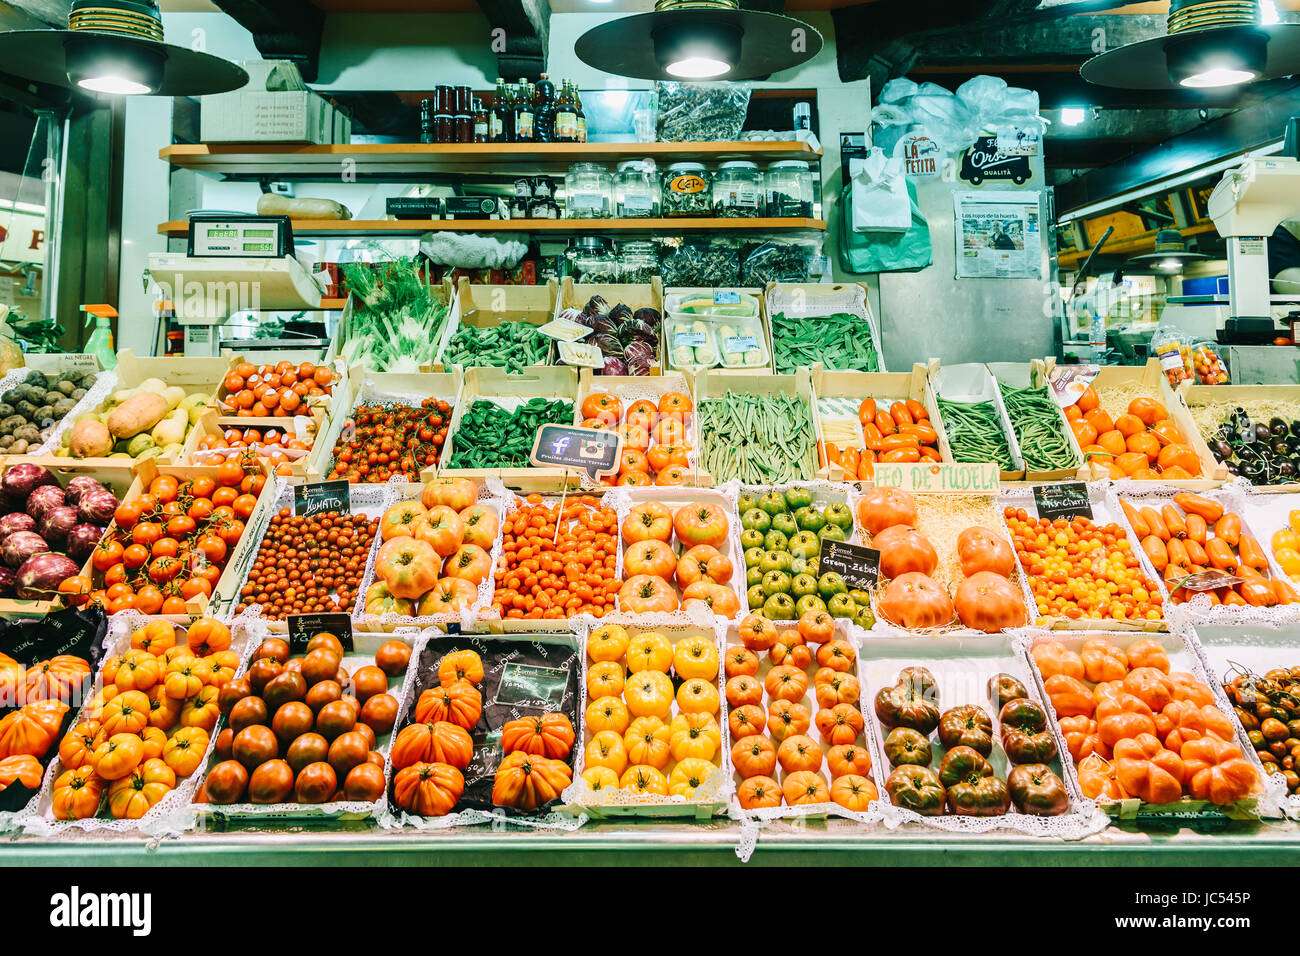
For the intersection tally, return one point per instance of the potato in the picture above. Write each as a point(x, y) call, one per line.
point(89, 439)
point(137, 414)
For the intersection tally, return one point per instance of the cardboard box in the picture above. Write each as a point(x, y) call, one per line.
point(487, 306)
point(884, 387)
point(274, 106)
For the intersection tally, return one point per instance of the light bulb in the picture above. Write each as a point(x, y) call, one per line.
point(698, 68)
point(1218, 76)
point(1171, 265)
point(115, 85)
point(1073, 115)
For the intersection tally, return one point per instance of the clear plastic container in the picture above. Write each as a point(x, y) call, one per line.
point(588, 192)
point(638, 261)
point(789, 189)
point(592, 259)
point(721, 327)
point(686, 190)
point(738, 190)
point(636, 190)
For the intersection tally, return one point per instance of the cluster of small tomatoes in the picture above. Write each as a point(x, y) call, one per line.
point(656, 450)
point(273, 391)
point(170, 544)
point(381, 441)
point(268, 443)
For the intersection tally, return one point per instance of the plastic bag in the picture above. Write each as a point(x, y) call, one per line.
point(862, 252)
point(1208, 366)
point(700, 262)
point(701, 112)
point(778, 260)
point(1169, 346)
point(954, 120)
point(879, 193)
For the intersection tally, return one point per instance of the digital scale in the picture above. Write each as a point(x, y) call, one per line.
point(243, 237)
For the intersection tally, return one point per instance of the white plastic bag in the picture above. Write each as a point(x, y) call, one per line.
point(879, 189)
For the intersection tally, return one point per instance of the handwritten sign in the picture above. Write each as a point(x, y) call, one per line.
point(592, 450)
point(303, 627)
point(1068, 499)
point(858, 565)
point(312, 499)
point(930, 477)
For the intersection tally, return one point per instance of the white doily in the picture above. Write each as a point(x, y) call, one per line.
point(850, 298)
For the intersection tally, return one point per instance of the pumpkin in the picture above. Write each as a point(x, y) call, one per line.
point(1148, 653)
point(1103, 661)
point(848, 759)
point(688, 776)
point(745, 720)
point(460, 665)
point(694, 736)
point(459, 703)
point(758, 792)
point(1053, 657)
point(185, 750)
point(607, 643)
point(600, 778)
point(1216, 771)
point(31, 729)
point(698, 696)
point(786, 682)
point(550, 735)
point(881, 508)
point(117, 756)
point(838, 655)
point(1070, 696)
point(744, 689)
point(649, 694)
point(754, 756)
point(915, 601)
point(132, 796)
point(980, 549)
point(78, 743)
point(607, 713)
point(902, 550)
point(644, 779)
point(606, 749)
point(428, 789)
point(1145, 769)
point(1097, 779)
point(58, 678)
point(804, 787)
point(648, 741)
point(649, 651)
point(840, 724)
point(437, 742)
point(77, 794)
point(785, 718)
point(799, 752)
point(990, 603)
point(23, 768)
point(526, 781)
point(854, 792)
point(695, 656)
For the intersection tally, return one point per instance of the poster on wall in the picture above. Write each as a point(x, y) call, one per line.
point(998, 235)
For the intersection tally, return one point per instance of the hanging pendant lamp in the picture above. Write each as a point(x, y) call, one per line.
point(1169, 257)
point(116, 46)
point(698, 40)
point(1208, 44)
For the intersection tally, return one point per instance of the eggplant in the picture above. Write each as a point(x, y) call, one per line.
point(56, 523)
point(24, 478)
point(40, 575)
point(81, 485)
point(16, 521)
point(1277, 427)
point(44, 498)
point(20, 546)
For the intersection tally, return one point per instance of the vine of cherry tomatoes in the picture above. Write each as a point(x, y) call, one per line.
point(380, 441)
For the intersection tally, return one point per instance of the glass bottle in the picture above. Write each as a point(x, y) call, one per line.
point(497, 126)
point(482, 123)
point(581, 116)
point(525, 131)
point(566, 117)
point(544, 120)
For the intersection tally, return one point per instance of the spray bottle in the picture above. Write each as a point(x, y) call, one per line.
point(100, 343)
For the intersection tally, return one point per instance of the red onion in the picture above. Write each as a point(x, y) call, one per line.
point(43, 499)
point(56, 524)
point(23, 478)
point(82, 541)
point(41, 575)
point(97, 507)
point(17, 521)
point(20, 546)
point(81, 485)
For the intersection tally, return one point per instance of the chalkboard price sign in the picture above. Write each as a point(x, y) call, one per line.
point(320, 496)
point(1068, 499)
point(586, 449)
point(303, 627)
point(858, 565)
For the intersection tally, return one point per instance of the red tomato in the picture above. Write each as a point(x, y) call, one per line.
point(149, 599)
point(200, 509)
point(230, 531)
point(146, 533)
point(165, 548)
point(173, 605)
point(115, 575)
point(165, 488)
point(127, 514)
point(244, 506)
point(196, 586)
point(212, 547)
point(107, 554)
point(135, 555)
point(180, 525)
point(229, 474)
point(224, 496)
point(163, 570)
point(202, 487)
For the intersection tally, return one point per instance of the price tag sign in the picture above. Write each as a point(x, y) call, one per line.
point(740, 343)
point(592, 450)
point(931, 477)
point(321, 496)
point(1069, 499)
point(303, 627)
point(858, 565)
point(692, 340)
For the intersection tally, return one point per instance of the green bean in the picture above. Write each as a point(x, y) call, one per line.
point(840, 341)
point(975, 433)
point(760, 439)
point(1036, 420)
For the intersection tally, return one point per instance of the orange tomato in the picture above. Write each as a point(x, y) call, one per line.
point(642, 414)
point(1112, 441)
point(672, 475)
point(1084, 433)
point(1144, 443)
point(1148, 410)
point(1099, 419)
point(633, 460)
point(1129, 462)
point(1088, 400)
point(1180, 456)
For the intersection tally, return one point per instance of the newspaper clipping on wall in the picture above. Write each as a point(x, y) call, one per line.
point(999, 235)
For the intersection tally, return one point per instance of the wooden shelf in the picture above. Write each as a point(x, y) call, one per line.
point(255, 160)
point(342, 228)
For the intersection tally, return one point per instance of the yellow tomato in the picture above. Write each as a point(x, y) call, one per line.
point(688, 776)
point(647, 742)
point(1294, 519)
point(698, 696)
point(605, 679)
point(607, 750)
point(649, 651)
point(600, 778)
point(649, 694)
point(644, 779)
point(607, 713)
point(694, 736)
point(607, 643)
point(696, 656)
point(1286, 539)
point(1288, 560)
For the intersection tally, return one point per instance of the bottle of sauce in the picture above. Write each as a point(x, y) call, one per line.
point(482, 123)
point(497, 126)
point(581, 116)
point(566, 117)
point(525, 116)
point(544, 104)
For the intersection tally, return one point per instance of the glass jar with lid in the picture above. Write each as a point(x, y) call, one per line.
point(592, 259)
point(588, 192)
point(636, 190)
point(686, 190)
point(638, 261)
point(738, 190)
point(789, 189)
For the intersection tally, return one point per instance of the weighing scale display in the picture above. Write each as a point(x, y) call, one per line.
point(236, 236)
point(259, 247)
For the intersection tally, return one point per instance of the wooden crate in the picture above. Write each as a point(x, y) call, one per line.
point(497, 385)
point(647, 295)
point(1023, 375)
point(116, 475)
point(715, 383)
point(442, 292)
point(487, 306)
point(309, 402)
point(972, 382)
point(821, 299)
point(306, 427)
point(856, 386)
point(1196, 397)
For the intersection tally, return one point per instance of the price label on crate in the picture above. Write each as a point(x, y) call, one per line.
point(858, 565)
point(932, 477)
point(303, 627)
point(740, 343)
point(587, 449)
point(320, 496)
point(1068, 499)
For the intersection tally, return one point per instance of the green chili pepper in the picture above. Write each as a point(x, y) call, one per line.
point(489, 436)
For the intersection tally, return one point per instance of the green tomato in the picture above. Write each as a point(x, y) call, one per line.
point(810, 519)
point(860, 597)
point(755, 597)
point(745, 502)
point(841, 605)
point(772, 503)
point(809, 602)
point(803, 584)
point(755, 518)
point(830, 584)
point(784, 522)
point(806, 545)
point(751, 538)
point(776, 582)
point(753, 575)
point(776, 541)
point(753, 556)
point(865, 619)
point(833, 532)
point(797, 498)
point(775, 561)
point(778, 607)
point(839, 515)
